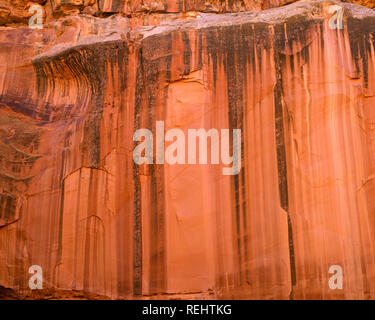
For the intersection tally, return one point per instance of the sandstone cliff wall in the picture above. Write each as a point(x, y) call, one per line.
point(73, 201)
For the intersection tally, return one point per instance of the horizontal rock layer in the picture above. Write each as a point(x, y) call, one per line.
point(144, 12)
point(73, 201)
point(17, 11)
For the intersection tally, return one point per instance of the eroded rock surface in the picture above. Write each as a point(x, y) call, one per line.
point(73, 201)
point(17, 11)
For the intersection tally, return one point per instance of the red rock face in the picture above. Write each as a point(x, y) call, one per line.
point(73, 201)
point(16, 11)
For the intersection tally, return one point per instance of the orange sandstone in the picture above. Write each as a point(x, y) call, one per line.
point(73, 201)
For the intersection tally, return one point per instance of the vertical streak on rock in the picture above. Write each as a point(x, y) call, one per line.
point(159, 191)
point(60, 228)
point(181, 5)
point(125, 222)
point(52, 9)
point(282, 165)
point(137, 224)
point(90, 263)
point(86, 279)
point(96, 68)
point(187, 52)
point(156, 72)
point(235, 83)
point(157, 216)
point(74, 285)
point(199, 44)
point(59, 246)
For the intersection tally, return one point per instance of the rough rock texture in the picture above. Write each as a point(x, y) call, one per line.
point(16, 11)
point(367, 3)
point(49, 294)
point(73, 201)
